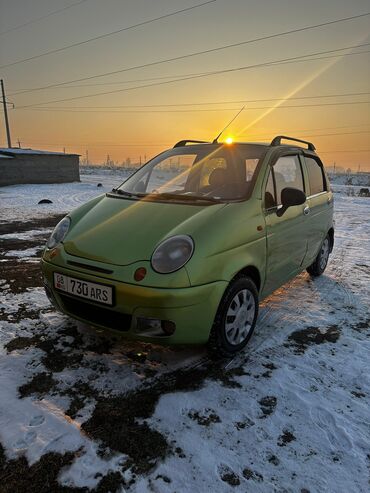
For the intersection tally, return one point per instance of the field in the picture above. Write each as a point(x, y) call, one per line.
point(81, 411)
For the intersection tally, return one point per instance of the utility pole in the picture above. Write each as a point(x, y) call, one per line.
point(6, 115)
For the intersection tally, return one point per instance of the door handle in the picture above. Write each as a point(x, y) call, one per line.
point(306, 210)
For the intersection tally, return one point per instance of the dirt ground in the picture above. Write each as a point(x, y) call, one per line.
point(114, 420)
point(81, 367)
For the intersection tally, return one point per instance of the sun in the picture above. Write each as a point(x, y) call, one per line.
point(229, 140)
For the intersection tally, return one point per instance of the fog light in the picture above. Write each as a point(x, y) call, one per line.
point(155, 327)
point(148, 323)
point(168, 327)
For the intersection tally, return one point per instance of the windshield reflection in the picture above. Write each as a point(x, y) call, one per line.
point(207, 173)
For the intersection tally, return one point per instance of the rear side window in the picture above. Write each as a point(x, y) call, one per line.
point(287, 173)
point(316, 176)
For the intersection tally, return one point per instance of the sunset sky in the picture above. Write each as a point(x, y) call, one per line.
point(133, 121)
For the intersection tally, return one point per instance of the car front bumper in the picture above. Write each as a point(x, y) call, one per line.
point(192, 309)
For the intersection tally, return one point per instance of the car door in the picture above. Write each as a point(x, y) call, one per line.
point(287, 235)
point(320, 203)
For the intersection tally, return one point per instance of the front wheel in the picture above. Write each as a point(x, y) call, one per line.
point(236, 318)
point(321, 261)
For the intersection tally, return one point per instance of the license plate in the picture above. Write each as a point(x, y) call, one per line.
point(99, 293)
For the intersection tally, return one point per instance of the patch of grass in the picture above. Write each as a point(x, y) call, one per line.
point(204, 419)
point(20, 226)
point(42, 477)
point(79, 393)
point(18, 476)
point(21, 275)
point(250, 474)
point(23, 313)
point(286, 437)
point(56, 360)
point(301, 339)
point(230, 478)
point(117, 421)
point(20, 343)
point(41, 384)
point(268, 405)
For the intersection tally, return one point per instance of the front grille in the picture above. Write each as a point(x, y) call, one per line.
point(96, 314)
point(89, 267)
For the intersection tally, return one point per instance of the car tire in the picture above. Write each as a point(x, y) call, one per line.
point(321, 261)
point(235, 318)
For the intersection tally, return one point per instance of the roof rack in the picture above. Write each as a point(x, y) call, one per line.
point(277, 141)
point(183, 143)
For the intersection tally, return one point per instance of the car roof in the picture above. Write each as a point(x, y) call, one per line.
point(275, 143)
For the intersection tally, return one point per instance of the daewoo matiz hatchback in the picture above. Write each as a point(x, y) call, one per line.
point(184, 250)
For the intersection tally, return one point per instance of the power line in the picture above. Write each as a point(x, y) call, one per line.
point(335, 151)
point(31, 21)
point(295, 130)
point(62, 110)
point(162, 144)
point(338, 133)
point(239, 101)
point(106, 35)
point(188, 55)
point(92, 145)
point(345, 150)
point(301, 58)
point(127, 81)
point(328, 135)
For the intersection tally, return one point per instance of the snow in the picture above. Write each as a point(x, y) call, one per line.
point(315, 433)
point(21, 201)
point(357, 179)
point(17, 151)
point(29, 252)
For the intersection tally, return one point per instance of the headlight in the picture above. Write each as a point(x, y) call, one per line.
point(59, 233)
point(172, 254)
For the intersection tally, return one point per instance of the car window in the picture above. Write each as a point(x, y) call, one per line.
point(287, 173)
point(209, 165)
point(270, 200)
point(159, 177)
point(222, 173)
point(250, 168)
point(316, 176)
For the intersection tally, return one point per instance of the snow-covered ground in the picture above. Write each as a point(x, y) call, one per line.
point(21, 201)
point(356, 179)
point(289, 414)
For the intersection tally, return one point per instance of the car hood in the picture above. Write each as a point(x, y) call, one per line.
point(120, 231)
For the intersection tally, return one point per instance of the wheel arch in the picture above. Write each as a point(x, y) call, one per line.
point(252, 272)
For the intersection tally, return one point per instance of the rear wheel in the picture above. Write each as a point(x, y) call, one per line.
point(236, 318)
point(321, 261)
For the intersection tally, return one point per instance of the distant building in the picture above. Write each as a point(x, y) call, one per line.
point(32, 166)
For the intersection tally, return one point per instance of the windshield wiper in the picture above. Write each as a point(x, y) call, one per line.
point(166, 195)
point(127, 194)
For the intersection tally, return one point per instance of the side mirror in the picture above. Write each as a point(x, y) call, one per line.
point(290, 197)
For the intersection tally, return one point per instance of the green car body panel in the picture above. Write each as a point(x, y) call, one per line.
point(110, 237)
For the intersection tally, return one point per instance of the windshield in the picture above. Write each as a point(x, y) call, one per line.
point(209, 173)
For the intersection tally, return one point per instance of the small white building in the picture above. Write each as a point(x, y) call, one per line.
point(33, 166)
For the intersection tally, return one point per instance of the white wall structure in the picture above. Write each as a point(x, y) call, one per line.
point(33, 166)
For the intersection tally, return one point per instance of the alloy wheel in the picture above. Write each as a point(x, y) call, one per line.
point(239, 317)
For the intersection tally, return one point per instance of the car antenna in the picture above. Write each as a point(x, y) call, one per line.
point(227, 126)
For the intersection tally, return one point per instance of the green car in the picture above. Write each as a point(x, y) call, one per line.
point(183, 251)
